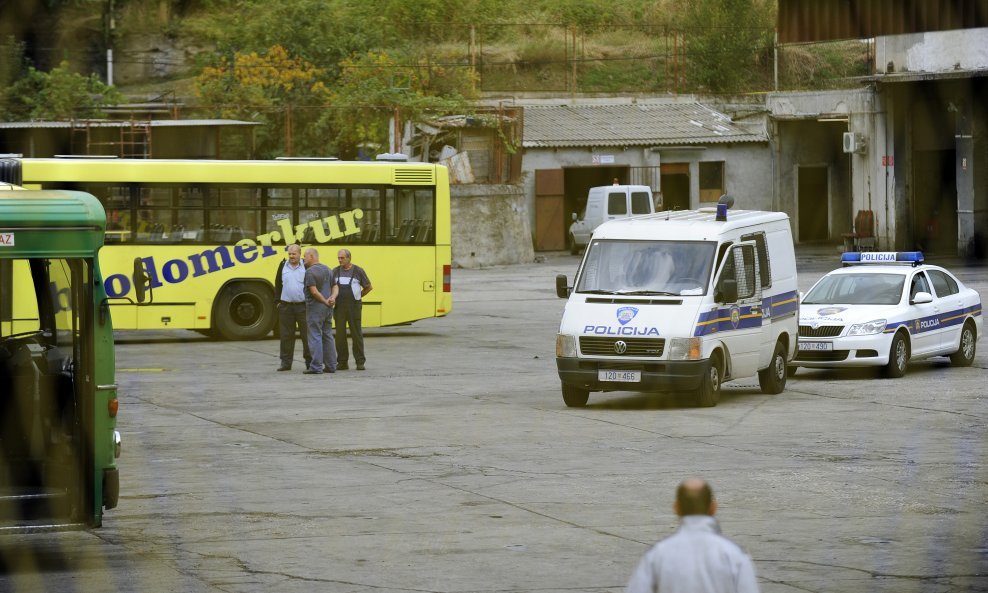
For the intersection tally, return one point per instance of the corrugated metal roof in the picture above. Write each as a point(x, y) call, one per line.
point(154, 123)
point(653, 124)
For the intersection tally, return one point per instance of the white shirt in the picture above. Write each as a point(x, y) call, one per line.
point(695, 559)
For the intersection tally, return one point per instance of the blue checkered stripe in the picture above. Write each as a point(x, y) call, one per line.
point(921, 325)
point(740, 317)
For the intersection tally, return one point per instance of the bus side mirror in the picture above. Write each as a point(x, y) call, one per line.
point(727, 291)
point(562, 291)
point(140, 280)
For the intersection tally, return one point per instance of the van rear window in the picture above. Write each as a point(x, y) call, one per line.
point(617, 203)
point(641, 202)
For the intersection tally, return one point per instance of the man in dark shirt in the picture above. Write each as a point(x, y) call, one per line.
point(319, 299)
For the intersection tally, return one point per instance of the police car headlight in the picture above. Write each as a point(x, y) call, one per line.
point(685, 349)
point(565, 346)
point(866, 329)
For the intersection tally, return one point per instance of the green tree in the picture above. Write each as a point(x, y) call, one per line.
point(272, 88)
point(374, 87)
point(58, 95)
point(725, 41)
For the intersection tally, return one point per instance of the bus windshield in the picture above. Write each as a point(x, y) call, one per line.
point(680, 268)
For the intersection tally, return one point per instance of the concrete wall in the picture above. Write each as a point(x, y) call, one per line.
point(808, 131)
point(490, 226)
point(939, 51)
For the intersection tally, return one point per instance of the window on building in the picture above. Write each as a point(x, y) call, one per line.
point(711, 181)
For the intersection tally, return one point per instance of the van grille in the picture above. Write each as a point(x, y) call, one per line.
point(416, 176)
point(824, 331)
point(639, 347)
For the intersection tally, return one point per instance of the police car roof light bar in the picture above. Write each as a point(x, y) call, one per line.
point(913, 258)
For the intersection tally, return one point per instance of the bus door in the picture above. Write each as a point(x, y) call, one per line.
point(46, 394)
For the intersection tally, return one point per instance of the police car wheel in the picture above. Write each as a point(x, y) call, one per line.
point(964, 356)
point(574, 397)
point(898, 357)
point(708, 393)
point(772, 380)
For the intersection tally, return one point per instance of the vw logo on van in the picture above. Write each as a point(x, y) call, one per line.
point(620, 347)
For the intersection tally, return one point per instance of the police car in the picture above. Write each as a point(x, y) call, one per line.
point(884, 309)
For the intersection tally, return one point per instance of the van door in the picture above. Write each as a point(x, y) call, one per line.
point(617, 205)
point(740, 319)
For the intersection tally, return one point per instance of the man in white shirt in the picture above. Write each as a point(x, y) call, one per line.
point(697, 558)
point(353, 285)
point(289, 291)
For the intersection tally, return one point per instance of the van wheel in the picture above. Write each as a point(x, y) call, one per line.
point(898, 357)
point(574, 396)
point(244, 311)
point(964, 356)
point(772, 380)
point(708, 393)
point(571, 245)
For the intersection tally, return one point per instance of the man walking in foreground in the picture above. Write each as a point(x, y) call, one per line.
point(319, 298)
point(697, 558)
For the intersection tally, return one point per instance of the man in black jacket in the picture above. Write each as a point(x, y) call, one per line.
point(289, 291)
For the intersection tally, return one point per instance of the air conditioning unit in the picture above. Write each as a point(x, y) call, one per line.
point(854, 142)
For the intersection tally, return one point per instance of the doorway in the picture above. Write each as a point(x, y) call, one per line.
point(675, 184)
point(813, 197)
point(934, 211)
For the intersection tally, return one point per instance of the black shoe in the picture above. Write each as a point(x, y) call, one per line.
point(311, 372)
point(342, 366)
point(284, 368)
point(360, 367)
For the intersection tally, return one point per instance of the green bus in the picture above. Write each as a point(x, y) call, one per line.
point(58, 395)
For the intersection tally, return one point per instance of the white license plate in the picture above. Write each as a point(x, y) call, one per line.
point(620, 376)
point(828, 346)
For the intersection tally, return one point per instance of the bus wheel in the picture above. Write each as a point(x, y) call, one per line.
point(574, 397)
point(244, 311)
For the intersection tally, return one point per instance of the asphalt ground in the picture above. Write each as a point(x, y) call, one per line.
point(452, 465)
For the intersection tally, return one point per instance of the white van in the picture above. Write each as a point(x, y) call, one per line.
point(681, 301)
point(604, 203)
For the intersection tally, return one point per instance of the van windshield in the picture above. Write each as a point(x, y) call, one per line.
point(680, 268)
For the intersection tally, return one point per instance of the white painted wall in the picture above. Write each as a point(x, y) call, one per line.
point(938, 51)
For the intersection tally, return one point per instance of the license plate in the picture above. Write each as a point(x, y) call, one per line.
point(620, 376)
point(828, 346)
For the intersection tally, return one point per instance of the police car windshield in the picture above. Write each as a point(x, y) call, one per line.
point(857, 289)
point(680, 268)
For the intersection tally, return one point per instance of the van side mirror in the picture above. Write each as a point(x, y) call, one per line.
point(562, 290)
point(574, 217)
point(727, 291)
point(140, 280)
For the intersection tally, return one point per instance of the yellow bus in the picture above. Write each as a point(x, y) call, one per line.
point(211, 233)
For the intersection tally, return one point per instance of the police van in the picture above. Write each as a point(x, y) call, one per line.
point(681, 301)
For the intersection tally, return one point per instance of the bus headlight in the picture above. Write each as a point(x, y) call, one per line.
point(565, 346)
point(866, 329)
point(685, 348)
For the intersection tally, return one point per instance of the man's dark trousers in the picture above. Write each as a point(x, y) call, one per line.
point(290, 317)
point(348, 313)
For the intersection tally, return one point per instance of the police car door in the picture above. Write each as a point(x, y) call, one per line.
point(924, 317)
point(740, 319)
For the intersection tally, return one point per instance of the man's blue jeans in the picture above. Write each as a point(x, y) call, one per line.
point(319, 319)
